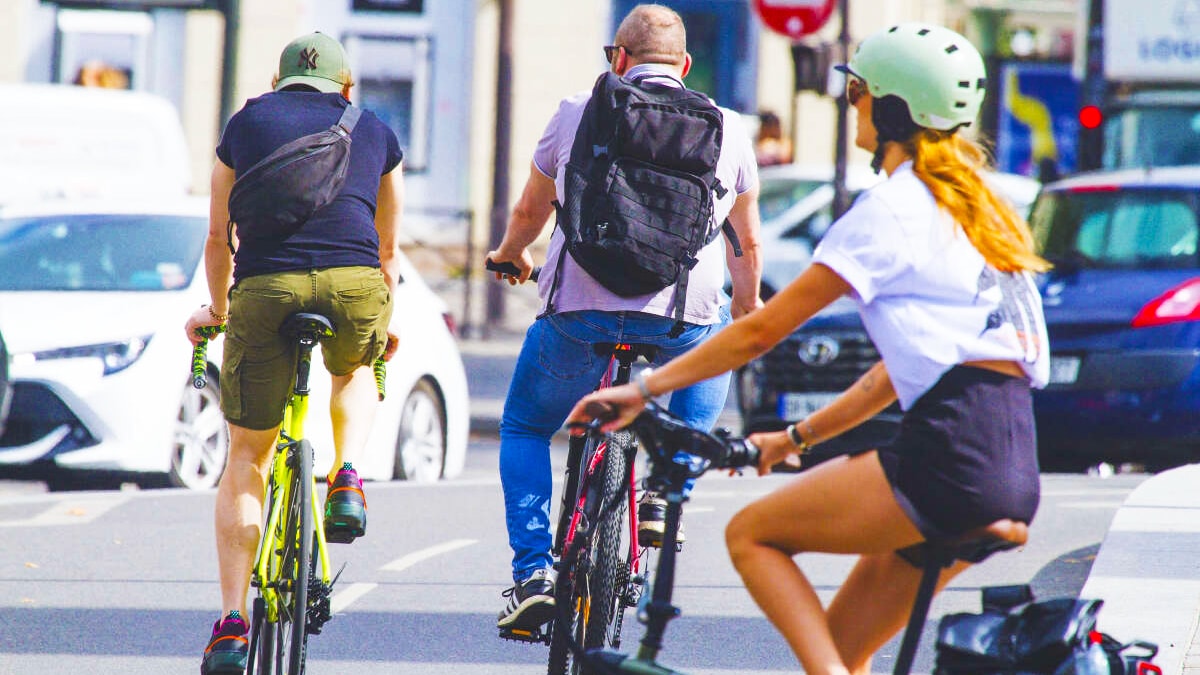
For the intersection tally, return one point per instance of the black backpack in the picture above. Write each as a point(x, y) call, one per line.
point(282, 191)
point(639, 186)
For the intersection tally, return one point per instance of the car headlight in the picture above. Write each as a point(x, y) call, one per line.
point(116, 356)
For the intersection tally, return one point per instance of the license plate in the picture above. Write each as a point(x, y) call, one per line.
point(798, 406)
point(1064, 369)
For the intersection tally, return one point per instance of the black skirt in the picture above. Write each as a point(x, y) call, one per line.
point(966, 454)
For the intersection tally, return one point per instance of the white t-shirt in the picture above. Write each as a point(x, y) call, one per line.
point(577, 290)
point(927, 297)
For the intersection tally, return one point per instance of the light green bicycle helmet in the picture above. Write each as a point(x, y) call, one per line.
point(936, 71)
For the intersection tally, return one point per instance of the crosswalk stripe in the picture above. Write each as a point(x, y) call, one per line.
point(405, 562)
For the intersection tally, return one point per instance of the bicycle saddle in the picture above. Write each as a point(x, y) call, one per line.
point(973, 546)
point(305, 323)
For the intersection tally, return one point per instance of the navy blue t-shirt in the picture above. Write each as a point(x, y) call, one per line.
point(340, 234)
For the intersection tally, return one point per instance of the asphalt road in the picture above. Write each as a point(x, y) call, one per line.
point(126, 581)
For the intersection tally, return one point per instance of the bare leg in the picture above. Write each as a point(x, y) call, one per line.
point(239, 512)
point(874, 604)
point(842, 506)
point(352, 406)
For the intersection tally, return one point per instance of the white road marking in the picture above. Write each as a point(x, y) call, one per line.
point(342, 600)
point(74, 511)
point(405, 562)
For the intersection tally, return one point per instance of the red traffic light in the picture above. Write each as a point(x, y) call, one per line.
point(1090, 117)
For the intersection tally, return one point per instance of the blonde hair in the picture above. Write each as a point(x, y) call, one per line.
point(950, 165)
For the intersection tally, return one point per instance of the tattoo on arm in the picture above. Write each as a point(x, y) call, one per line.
point(868, 381)
point(813, 438)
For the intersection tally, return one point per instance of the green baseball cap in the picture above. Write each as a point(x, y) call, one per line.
point(316, 60)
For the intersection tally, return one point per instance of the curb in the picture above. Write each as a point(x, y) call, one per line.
point(1148, 569)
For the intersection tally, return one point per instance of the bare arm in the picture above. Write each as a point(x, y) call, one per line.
point(745, 271)
point(867, 397)
point(218, 260)
point(737, 344)
point(529, 217)
point(388, 209)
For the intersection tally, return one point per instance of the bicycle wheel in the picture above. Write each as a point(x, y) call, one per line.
point(291, 635)
point(587, 589)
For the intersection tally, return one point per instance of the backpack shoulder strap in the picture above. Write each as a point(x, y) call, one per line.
point(349, 117)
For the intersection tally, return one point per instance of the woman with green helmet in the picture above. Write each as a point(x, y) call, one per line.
point(942, 273)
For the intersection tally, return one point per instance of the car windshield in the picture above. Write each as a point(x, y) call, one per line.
point(1118, 228)
point(778, 194)
point(100, 252)
point(1157, 136)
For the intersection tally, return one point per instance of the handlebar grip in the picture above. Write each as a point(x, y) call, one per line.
point(380, 368)
point(200, 354)
point(509, 269)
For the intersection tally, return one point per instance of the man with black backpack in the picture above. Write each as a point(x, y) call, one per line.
point(645, 176)
point(308, 190)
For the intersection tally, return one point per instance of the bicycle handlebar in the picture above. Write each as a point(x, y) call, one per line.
point(199, 354)
point(664, 434)
point(511, 270)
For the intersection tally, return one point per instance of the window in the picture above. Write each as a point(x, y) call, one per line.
point(392, 80)
point(100, 252)
point(1119, 228)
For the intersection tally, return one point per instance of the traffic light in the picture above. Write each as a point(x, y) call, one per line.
point(1091, 138)
point(810, 65)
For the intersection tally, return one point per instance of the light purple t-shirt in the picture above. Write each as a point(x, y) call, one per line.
point(577, 290)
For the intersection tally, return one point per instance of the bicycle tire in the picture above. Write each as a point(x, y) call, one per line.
point(588, 588)
point(292, 632)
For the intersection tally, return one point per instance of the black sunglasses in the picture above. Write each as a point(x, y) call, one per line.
point(855, 89)
point(610, 52)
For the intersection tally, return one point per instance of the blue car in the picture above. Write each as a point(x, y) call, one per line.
point(1122, 307)
point(1123, 314)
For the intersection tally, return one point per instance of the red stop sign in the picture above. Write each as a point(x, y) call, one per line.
point(794, 18)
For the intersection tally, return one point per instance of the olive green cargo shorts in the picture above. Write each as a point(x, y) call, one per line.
point(259, 364)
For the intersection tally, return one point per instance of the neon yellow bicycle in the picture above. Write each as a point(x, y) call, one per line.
point(291, 569)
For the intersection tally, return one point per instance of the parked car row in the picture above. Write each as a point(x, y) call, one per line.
point(1122, 306)
point(93, 299)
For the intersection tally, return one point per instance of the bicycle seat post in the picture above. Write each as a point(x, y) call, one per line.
point(932, 557)
point(307, 329)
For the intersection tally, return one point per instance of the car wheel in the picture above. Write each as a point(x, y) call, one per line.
point(421, 440)
point(201, 446)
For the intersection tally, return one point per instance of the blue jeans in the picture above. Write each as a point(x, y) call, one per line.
point(556, 368)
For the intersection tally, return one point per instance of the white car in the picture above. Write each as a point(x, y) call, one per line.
point(93, 299)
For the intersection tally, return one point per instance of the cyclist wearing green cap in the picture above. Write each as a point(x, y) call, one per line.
point(942, 273)
point(341, 262)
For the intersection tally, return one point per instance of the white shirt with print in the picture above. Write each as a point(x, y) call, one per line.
point(927, 297)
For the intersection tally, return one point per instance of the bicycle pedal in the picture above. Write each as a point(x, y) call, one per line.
point(534, 636)
point(336, 533)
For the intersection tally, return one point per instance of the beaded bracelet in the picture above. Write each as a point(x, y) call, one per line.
point(217, 317)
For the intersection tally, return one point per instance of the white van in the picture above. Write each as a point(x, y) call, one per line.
point(65, 141)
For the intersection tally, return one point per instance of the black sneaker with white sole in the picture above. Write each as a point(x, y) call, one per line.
point(530, 603)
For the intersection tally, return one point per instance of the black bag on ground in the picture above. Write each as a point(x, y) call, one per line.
point(1014, 634)
point(283, 190)
point(638, 192)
